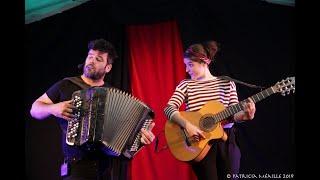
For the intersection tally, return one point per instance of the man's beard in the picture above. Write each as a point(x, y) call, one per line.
point(91, 72)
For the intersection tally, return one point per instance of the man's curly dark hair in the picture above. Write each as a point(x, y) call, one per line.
point(104, 46)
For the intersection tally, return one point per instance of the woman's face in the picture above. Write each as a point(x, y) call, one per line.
point(195, 69)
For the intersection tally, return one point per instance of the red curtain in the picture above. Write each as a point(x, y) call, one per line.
point(156, 67)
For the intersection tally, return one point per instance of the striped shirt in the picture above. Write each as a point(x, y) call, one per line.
point(195, 94)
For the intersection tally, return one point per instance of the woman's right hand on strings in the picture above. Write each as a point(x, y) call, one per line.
point(194, 131)
point(63, 110)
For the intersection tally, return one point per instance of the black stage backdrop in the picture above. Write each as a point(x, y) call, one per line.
point(257, 46)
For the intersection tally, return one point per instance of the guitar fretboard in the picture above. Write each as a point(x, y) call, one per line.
point(233, 109)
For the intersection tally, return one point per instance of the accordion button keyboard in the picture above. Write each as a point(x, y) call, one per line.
point(73, 124)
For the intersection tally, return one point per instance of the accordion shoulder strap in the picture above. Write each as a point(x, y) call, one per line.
point(78, 81)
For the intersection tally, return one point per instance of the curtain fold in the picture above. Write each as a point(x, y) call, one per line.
point(156, 67)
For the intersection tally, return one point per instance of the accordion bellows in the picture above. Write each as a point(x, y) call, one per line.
point(110, 117)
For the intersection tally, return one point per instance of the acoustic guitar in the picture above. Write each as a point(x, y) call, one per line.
point(209, 119)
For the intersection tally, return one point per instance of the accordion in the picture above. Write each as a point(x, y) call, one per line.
point(109, 117)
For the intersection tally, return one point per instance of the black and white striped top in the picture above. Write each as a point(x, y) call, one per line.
point(195, 94)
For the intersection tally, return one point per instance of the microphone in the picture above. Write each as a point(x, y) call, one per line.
point(80, 66)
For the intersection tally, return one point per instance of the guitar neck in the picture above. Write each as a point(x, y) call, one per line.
point(233, 109)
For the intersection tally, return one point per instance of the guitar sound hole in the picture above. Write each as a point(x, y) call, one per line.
point(207, 123)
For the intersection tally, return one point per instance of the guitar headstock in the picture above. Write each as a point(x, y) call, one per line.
point(285, 86)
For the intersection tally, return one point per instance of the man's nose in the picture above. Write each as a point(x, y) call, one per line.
point(92, 60)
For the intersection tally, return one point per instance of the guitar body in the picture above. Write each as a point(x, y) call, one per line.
point(196, 150)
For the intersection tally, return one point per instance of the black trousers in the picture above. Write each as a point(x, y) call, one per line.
point(222, 160)
point(107, 168)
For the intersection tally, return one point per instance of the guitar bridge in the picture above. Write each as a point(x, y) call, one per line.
point(186, 137)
